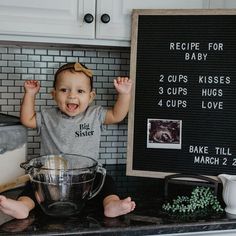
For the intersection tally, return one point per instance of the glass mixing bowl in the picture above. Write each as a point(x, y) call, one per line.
point(63, 183)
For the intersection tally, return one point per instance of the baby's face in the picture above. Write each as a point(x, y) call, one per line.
point(73, 92)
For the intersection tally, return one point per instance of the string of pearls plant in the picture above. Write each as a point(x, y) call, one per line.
point(201, 198)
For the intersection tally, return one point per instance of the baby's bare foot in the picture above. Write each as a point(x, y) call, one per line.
point(13, 208)
point(119, 207)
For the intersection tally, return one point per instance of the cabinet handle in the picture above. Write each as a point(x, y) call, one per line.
point(88, 18)
point(105, 18)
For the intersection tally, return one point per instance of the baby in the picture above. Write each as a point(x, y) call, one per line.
point(73, 126)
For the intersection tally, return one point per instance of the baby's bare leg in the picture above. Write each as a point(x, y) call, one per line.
point(114, 206)
point(18, 209)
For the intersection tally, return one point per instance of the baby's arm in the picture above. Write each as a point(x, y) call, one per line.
point(120, 109)
point(27, 112)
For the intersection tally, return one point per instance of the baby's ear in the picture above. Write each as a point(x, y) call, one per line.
point(92, 96)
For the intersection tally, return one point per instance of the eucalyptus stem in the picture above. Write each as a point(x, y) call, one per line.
point(202, 198)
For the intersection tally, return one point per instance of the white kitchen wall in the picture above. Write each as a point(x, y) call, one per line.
point(20, 63)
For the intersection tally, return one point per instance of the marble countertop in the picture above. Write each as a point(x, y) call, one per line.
point(147, 219)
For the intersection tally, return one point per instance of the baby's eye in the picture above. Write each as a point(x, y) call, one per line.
point(64, 90)
point(80, 91)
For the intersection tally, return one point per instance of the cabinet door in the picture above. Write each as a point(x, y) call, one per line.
point(222, 3)
point(54, 18)
point(119, 26)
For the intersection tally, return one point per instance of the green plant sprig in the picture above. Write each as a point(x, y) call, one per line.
point(201, 198)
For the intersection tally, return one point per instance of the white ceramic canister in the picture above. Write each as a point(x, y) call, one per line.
point(229, 192)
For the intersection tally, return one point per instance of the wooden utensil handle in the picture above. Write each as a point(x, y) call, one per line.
point(16, 183)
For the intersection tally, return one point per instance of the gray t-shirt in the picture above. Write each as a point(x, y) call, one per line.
point(73, 135)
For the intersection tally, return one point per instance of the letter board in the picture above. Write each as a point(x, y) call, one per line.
point(183, 110)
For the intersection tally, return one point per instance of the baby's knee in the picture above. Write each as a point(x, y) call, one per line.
point(22, 215)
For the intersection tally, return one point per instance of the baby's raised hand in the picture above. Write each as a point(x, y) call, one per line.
point(32, 86)
point(123, 85)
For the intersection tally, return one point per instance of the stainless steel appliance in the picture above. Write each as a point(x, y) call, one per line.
point(13, 147)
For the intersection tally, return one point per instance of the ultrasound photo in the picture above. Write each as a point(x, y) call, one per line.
point(163, 133)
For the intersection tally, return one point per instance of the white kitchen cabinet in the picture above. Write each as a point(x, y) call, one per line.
point(223, 3)
point(120, 11)
point(46, 20)
point(63, 21)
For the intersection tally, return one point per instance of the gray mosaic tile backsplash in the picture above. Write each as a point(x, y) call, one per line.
point(20, 63)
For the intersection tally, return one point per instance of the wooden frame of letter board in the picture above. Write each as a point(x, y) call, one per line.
point(130, 170)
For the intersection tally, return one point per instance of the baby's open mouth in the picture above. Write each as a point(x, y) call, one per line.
point(72, 106)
